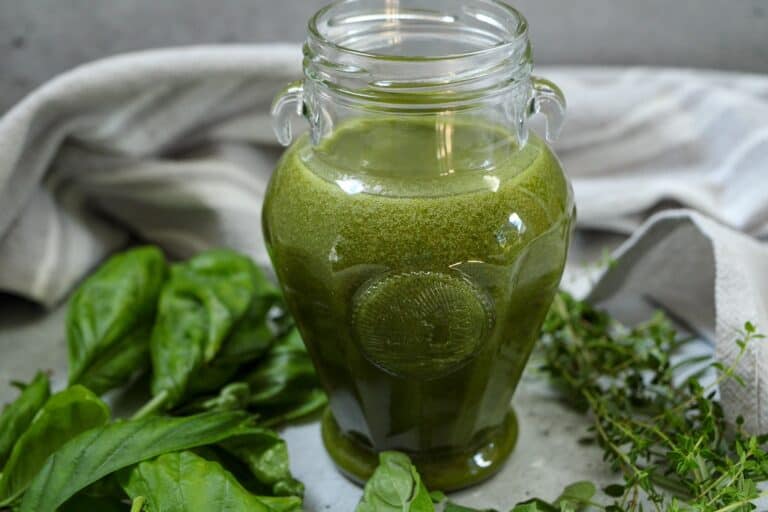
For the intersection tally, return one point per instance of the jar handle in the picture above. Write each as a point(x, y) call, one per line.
point(549, 100)
point(288, 102)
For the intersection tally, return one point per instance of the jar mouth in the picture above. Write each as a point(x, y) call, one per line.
point(418, 30)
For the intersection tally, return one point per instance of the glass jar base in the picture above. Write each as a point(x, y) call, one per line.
point(440, 472)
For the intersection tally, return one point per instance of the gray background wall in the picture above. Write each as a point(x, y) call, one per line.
point(40, 38)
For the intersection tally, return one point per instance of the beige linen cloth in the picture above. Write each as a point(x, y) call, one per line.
point(174, 147)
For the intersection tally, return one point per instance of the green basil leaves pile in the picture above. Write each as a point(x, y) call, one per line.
point(201, 306)
point(100, 452)
point(223, 362)
point(214, 320)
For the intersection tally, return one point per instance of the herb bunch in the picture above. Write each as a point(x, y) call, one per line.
point(669, 439)
point(225, 363)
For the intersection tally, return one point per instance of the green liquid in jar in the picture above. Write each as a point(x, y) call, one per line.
point(419, 258)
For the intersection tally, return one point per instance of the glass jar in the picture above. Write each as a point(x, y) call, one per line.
point(419, 230)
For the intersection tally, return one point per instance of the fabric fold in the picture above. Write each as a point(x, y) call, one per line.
point(710, 278)
point(66, 150)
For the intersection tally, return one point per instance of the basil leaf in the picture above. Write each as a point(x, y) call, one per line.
point(64, 416)
point(110, 317)
point(577, 495)
point(185, 482)
point(527, 507)
point(17, 415)
point(102, 451)
point(284, 385)
point(200, 304)
point(266, 455)
point(282, 503)
point(535, 505)
point(395, 487)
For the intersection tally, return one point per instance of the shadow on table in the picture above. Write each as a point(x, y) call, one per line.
point(16, 311)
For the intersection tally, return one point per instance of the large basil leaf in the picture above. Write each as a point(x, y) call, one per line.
point(395, 486)
point(266, 456)
point(64, 416)
point(201, 302)
point(102, 451)
point(185, 482)
point(110, 318)
point(17, 416)
point(284, 385)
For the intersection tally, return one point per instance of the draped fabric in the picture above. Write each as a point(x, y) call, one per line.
point(174, 147)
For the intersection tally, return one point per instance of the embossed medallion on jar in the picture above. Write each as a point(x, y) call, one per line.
point(422, 324)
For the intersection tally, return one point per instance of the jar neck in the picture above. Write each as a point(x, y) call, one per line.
point(410, 83)
point(414, 58)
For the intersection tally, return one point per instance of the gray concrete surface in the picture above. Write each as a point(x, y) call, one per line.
point(41, 38)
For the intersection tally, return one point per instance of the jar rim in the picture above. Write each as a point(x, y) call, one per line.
point(515, 37)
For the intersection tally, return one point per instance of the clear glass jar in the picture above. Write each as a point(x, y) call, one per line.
point(418, 230)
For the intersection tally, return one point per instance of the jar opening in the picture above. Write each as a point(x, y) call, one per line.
point(418, 29)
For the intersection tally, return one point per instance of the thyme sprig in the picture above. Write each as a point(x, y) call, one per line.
point(668, 439)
